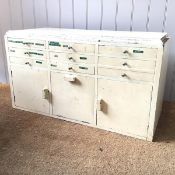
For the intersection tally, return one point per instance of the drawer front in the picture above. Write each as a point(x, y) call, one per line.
point(85, 69)
point(147, 66)
point(74, 58)
point(29, 62)
point(128, 52)
point(27, 53)
point(126, 75)
point(71, 47)
point(26, 43)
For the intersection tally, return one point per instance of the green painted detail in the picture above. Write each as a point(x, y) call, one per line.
point(52, 43)
point(138, 51)
point(39, 44)
point(53, 65)
point(85, 68)
point(12, 41)
point(33, 53)
point(28, 43)
point(83, 58)
point(39, 62)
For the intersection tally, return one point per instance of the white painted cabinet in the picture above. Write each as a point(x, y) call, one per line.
point(73, 96)
point(124, 106)
point(109, 80)
point(28, 88)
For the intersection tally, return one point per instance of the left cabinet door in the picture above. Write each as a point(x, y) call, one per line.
point(29, 86)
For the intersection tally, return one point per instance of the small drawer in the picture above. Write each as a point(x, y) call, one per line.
point(74, 58)
point(56, 65)
point(27, 53)
point(71, 47)
point(128, 52)
point(126, 75)
point(147, 66)
point(21, 61)
point(26, 43)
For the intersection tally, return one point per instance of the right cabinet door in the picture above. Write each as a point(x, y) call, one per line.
point(125, 106)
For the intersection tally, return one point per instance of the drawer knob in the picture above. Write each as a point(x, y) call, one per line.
point(70, 47)
point(124, 75)
point(125, 64)
point(27, 63)
point(70, 68)
point(70, 58)
point(126, 52)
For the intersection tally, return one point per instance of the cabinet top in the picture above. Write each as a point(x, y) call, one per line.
point(92, 36)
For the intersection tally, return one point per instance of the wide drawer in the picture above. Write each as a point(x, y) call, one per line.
point(26, 43)
point(28, 62)
point(16, 52)
point(79, 68)
point(147, 66)
point(71, 47)
point(126, 75)
point(128, 52)
point(74, 58)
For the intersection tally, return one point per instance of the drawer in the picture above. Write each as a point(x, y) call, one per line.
point(26, 43)
point(128, 52)
point(85, 69)
point(71, 47)
point(75, 58)
point(126, 75)
point(29, 62)
point(147, 66)
point(16, 52)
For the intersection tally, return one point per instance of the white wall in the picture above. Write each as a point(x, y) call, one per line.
point(134, 15)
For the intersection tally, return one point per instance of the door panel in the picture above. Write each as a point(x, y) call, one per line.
point(73, 98)
point(28, 87)
point(124, 106)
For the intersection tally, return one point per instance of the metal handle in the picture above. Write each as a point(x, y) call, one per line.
point(70, 68)
point(46, 93)
point(126, 52)
point(125, 64)
point(70, 58)
point(124, 75)
point(28, 63)
point(99, 104)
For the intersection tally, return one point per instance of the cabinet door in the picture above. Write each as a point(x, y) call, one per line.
point(28, 86)
point(124, 106)
point(73, 98)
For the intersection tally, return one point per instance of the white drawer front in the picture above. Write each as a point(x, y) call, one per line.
point(26, 43)
point(147, 66)
point(27, 53)
point(86, 69)
point(72, 47)
point(74, 58)
point(126, 75)
point(128, 52)
point(29, 62)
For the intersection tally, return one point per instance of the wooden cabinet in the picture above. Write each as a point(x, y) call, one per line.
point(109, 80)
point(73, 96)
point(28, 88)
point(123, 106)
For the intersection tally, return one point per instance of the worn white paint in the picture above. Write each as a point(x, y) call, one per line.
point(82, 80)
point(136, 15)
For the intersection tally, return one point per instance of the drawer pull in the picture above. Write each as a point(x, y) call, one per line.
point(124, 75)
point(53, 65)
point(85, 68)
point(70, 68)
point(56, 56)
point(138, 51)
point(52, 43)
point(126, 52)
point(39, 62)
point(46, 93)
point(125, 64)
point(65, 46)
point(27, 63)
point(70, 58)
point(83, 58)
point(70, 47)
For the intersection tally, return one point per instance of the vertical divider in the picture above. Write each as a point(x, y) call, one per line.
point(101, 19)
point(116, 14)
